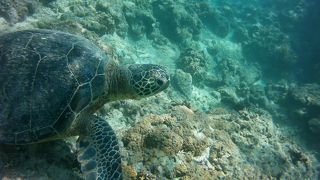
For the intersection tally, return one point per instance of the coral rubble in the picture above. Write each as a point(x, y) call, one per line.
point(187, 145)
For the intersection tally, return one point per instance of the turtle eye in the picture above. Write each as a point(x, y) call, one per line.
point(159, 82)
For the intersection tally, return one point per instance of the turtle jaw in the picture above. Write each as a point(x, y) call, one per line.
point(147, 80)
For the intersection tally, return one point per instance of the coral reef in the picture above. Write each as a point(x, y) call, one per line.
point(260, 32)
point(314, 125)
point(213, 18)
point(157, 20)
point(96, 16)
point(308, 94)
point(177, 21)
point(140, 19)
point(277, 92)
point(17, 10)
point(183, 82)
point(304, 101)
point(195, 62)
point(272, 49)
point(230, 62)
point(51, 160)
point(212, 48)
point(185, 144)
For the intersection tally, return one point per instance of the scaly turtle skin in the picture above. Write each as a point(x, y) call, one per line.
point(52, 82)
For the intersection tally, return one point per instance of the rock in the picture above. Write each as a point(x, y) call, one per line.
point(229, 96)
point(277, 92)
point(308, 94)
point(183, 82)
point(140, 20)
point(129, 172)
point(213, 81)
point(165, 140)
point(195, 62)
point(212, 48)
point(180, 170)
point(51, 160)
point(240, 34)
point(17, 10)
point(314, 125)
point(177, 21)
point(213, 18)
point(271, 49)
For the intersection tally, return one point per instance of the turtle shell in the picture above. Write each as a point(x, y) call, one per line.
point(46, 79)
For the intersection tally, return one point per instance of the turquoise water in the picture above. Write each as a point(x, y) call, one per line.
point(244, 94)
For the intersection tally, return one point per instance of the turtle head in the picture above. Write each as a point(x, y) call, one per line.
point(147, 79)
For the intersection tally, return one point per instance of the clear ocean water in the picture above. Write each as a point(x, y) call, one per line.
point(80, 100)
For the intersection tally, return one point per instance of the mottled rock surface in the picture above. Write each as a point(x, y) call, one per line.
point(187, 145)
point(308, 94)
point(195, 62)
point(14, 11)
point(183, 82)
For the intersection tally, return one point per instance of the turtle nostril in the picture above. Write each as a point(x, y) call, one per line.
point(159, 82)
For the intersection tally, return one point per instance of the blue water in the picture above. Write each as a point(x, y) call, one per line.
point(244, 99)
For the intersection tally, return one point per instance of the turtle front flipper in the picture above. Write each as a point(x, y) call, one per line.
point(99, 151)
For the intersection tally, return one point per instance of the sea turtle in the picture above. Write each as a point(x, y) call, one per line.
point(52, 83)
